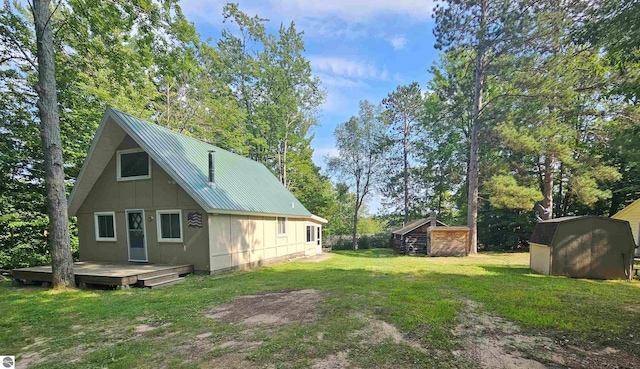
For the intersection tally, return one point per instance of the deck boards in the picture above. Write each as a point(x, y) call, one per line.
point(103, 273)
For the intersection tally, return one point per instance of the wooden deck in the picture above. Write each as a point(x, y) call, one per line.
point(110, 274)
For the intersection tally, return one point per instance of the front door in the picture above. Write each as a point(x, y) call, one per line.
point(136, 235)
point(319, 240)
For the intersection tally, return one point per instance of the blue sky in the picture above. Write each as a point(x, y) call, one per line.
point(360, 49)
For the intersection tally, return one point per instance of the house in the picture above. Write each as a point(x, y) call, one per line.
point(582, 247)
point(632, 215)
point(147, 194)
point(430, 237)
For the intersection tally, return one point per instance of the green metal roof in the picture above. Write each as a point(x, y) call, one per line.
point(241, 184)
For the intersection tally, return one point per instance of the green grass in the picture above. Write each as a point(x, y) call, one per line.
point(422, 297)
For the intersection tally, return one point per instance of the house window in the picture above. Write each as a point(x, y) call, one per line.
point(311, 234)
point(282, 226)
point(133, 164)
point(105, 226)
point(169, 225)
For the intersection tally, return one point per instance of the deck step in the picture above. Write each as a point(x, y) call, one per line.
point(165, 283)
point(146, 281)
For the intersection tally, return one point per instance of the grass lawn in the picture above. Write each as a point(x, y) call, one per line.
point(367, 309)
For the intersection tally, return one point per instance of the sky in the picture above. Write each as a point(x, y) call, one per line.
point(360, 49)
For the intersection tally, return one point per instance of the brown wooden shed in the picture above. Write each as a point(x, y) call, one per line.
point(420, 237)
point(582, 247)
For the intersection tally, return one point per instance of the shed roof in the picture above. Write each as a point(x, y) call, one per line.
point(545, 230)
point(415, 224)
point(241, 184)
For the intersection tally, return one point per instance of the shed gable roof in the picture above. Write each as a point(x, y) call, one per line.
point(241, 184)
point(415, 224)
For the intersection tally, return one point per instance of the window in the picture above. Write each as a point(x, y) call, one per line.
point(282, 226)
point(133, 164)
point(311, 234)
point(105, 226)
point(169, 225)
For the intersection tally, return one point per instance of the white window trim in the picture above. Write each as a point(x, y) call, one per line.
point(130, 151)
point(95, 226)
point(286, 227)
point(158, 217)
point(313, 233)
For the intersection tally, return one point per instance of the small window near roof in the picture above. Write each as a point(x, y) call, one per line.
point(105, 226)
point(311, 233)
point(282, 226)
point(169, 225)
point(133, 164)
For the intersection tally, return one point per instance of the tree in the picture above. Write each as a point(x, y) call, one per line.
point(404, 111)
point(61, 260)
point(486, 29)
point(558, 116)
point(614, 25)
point(360, 157)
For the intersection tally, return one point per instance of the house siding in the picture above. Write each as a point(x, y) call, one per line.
point(240, 242)
point(632, 215)
point(160, 192)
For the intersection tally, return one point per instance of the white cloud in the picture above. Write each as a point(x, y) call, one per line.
point(341, 82)
point(331, 28)
point(398, 42)
point(358, 10)
point(347, 68)
point(351, 11)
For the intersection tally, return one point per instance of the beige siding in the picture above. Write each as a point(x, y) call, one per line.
point(539, 258)
point(237, 241)
point(159, 192)
point(631, 214)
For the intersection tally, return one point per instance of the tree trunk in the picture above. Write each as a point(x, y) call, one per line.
point(473, 170)
point(58, 237)
point(547, 190)
point(354, 235)
point(559, 197)
point(405, 145)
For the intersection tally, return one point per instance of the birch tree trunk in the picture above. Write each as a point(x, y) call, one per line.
point(58, 237)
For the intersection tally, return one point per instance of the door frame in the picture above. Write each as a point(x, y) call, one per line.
point(144, 234)
point(318, 239)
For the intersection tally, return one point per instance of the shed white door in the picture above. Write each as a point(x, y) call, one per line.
point(136, 237)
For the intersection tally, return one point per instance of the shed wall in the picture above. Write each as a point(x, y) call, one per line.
point(594, 247)
point(159, 192)
point(539, 258)
point(448, 241)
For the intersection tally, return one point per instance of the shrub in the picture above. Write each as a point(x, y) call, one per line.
point(365, 241)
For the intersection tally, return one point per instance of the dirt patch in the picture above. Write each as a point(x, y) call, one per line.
point(337, 361)
point(30, 358)
point(273, 308)
point(494, 342)
point(378, 331)
point(317, 258)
